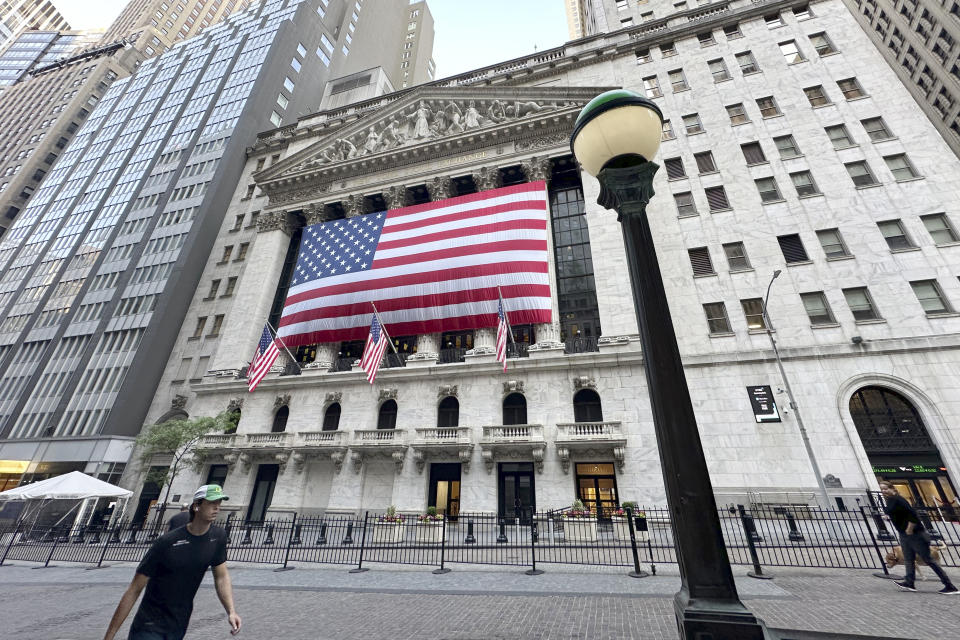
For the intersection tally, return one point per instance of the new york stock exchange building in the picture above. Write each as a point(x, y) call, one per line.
point(753, 181)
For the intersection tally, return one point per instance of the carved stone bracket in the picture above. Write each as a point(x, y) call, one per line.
point(353, 205)
point(538, 458)
point(234, 405)
point(487, 455)
point(282, 457)
point(356, 460)
point(245, 462)
point(281, 401)
point(231, 457)
point(584, 382)
point(398, 457)
point(440, 188)
point(299, 461)
point(420, 459)
point(465, 455)
point(619, 454)
point(395, 196)
point(447, 390)
point(564, 454)
point(387, 394)
point(274, 221)
point(337, 457)
point(512, 386)
point(486, 178)
point(537, 169)
point(178, 402)
point(333, 396)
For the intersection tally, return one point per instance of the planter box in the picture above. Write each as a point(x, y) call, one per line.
point(388, 532)
point(621, 529)
point(429, 532)
point(580, 529)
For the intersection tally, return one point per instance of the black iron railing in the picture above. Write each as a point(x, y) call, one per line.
point(581, 345)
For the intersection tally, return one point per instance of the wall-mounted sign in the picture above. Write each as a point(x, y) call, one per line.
point(908, 468)
point(764, 406)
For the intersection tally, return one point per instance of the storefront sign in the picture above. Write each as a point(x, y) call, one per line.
point(912, 468)
point(764, 406)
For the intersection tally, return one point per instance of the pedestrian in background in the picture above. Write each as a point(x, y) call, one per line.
point(172, 572)
point(181, 519)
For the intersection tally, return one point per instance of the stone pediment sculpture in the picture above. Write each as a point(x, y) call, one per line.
point(426, 115)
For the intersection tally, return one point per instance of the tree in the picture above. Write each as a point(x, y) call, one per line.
point(180, 438)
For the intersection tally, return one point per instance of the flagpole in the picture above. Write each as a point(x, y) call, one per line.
point(505, 316)
point(276, 336)
point(384, 329)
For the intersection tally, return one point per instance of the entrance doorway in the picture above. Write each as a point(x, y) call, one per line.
point(445, 489)
point(597, 488)
point(263, 488)
point(517, 494)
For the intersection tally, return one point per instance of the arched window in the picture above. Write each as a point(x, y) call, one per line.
point(888, 423)
point(234, 418)
point(448, 413)
point(586, 406)
point(331, 417)
point(388, 415)
point(515, 409)
point(280, 420)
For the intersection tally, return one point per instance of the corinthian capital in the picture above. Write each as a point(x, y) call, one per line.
point(440, 188)
point(537, 169)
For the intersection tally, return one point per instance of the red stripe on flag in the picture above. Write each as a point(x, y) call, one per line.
point(464, 232)
point(536, 188)
point(525, 205)
point(458, 252)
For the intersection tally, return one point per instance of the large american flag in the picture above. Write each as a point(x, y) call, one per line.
point(428, 268)
point(263, 359)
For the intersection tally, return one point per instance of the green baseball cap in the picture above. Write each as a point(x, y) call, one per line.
point(211, 492)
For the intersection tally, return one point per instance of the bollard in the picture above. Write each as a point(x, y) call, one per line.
point(348, 539)
point(443, 550)
point(747, 522)
point(794, 535)
point(246, 536)
point(470, 539)
point(296, 536)
point(293, 539)
point(322, 538)
point(637, 571)
point(502, 538)
point(533, 571)
point(749, 525)
point(363, 542)
point(269, 539)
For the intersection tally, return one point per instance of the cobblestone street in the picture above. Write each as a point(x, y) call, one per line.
point(70, 603)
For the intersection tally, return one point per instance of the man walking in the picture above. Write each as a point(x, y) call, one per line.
point(172, 572)
point(181, 519)
point(914, 540)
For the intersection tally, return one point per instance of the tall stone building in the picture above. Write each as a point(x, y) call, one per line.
point(789, 148)
point(921, 41)
point(101, 265)
point(17, 16)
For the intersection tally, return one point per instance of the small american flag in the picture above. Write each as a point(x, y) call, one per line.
point(373, 351)
point(503, 330)
point(263, 359)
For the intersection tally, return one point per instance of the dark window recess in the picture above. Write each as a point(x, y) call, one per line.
point(448, 412)
point(280, 420)
point(792, 248)
point(331, 417)
point(674, 168)
point(515, 409)
point(753, 153)
point(717, 197)
point(387, 418)
point(354, 83)
point(700, 261)
point(586, 406)
point(286, 274)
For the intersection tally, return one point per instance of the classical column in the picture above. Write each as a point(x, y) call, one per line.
point(395, 197)
point(440, 188)
point(428, 350)
point(353, 205)
point(254, 294)
point(315, 213)
point(486, 178)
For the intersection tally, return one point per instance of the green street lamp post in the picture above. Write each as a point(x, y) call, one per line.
point(615, 138)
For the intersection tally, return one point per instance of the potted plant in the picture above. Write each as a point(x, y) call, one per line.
point(579, 523)
point(430, 527)
point(388, 527)
point(621, 529)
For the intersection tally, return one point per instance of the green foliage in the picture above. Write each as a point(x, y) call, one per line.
point(431, 511)
point(178, 438)
point(629, 504)
point(578, 505)
point(391, 511)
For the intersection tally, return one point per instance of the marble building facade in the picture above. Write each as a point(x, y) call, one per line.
point(511, 123)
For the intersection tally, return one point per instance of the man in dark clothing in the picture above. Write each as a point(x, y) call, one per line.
point(172, 571)
point(181, 519)
point(914, 540)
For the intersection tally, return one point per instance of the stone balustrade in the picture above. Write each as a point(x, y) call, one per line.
point(589, 431)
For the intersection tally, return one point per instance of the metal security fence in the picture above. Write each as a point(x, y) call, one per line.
point(772, 536)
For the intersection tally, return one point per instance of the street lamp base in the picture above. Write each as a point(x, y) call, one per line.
point(716, 620)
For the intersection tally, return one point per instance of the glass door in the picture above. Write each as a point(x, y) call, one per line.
point(517, 491)
point(597, 488)
point(263, 492)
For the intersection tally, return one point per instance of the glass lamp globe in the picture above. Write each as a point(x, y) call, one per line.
point(614, 124)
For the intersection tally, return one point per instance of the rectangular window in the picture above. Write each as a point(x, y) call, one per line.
point(674, 168)
point(787, 147)
point(832, 243)
point(668, 49)
point(748, 64)
point(231, 285)
point(930, 297)
point(753, 153)
point(822, 44)
point(282, 101)
point(237, 222)
point(736, 256)
point(227, 250)
point(717, 321)
point(860, 174)
point(651, 87)
point(792, 247)
point(242, 252)
point(738, 115)
point(732, 31)
point(717, 199)
point(817, 96)
point(296, 64)
point(804, 184)
point(851, 88)
point(718, 69)
point(706, 38)
point(692, 124)
point(791, 52)
point(900, 167)
point(677, 80)
point(769, 192)
point(939, 228)
point(700, 261)
point(217, 325)
point(643, 56)
point(685, 204)
point(876, 128)
point(214, 285)
point(768, 107)
point(773, 20)
point(895, 235)
point(300, 50)
point(803, 12)
point(861, 304)
point(705, 163)
point(817, 308)
point(667, 133)
point(753, 312)
point(275, 118)
point(839, 136)
point(198, 330)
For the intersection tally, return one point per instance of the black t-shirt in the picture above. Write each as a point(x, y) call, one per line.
point(175, 565)
point(182, 519)
point(901, 514)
